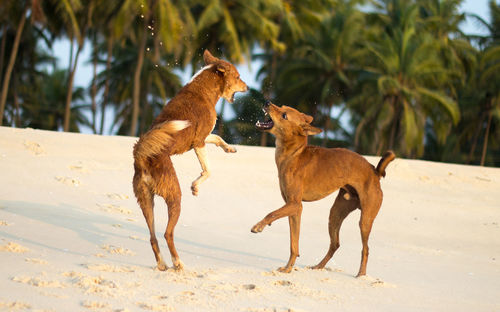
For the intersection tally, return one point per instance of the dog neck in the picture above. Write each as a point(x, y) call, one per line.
point(208, 81)
point(289, 147)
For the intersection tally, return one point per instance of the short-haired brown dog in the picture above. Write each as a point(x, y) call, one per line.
point(185, 123)
point(309, 173)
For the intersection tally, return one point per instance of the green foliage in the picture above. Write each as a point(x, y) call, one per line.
point(44, 102)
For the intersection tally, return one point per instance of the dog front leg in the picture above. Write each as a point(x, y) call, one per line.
point(287, 210)
point(218, 141)
point(294, 222)
point(201, 153)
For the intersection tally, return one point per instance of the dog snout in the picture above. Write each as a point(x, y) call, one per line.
point(267, 104)
point(246, 88)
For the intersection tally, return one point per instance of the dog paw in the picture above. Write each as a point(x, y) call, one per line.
point(316, 267)
point(257, 228)
point(194, 190)
point(361, 274)
point(162, 266)
point(285, 269)
point(178, 265)
point(229, 149)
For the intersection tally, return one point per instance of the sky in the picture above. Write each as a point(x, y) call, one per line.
point(83, 75)
point(478, 7)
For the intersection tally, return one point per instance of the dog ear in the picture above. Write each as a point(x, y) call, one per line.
point(220, 69)
point(310, 130)
point(208, 58)
point(307, 118)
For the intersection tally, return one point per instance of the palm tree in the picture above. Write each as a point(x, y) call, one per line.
point(45, 101)
point(442, 19)
point(66, 17)
point(105, 32)
point(407, 75)
point(296, 19)
point(4, 19)
point(320, 73)
point(482, 108)
point(161, 83)
point(76, 32)
point(21, 9)
point(490, 80)
point(140, 20)
point(37, 11)
point(102, 33)
point(480, 104)
point(233, 28)
point(30, 59)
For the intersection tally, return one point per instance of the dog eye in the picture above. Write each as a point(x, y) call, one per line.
point(284, 116)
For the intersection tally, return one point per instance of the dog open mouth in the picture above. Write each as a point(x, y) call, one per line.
point(267, 124)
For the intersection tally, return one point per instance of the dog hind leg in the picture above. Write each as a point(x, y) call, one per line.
point(344, 204)
point(369, 210)
point(174, 211)
point(171, 193)
point(145, 198)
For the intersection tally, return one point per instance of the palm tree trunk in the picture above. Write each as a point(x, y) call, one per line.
point(106, 83)
point(93, 90)
point(137, 83)
point(69, 92)
point(474, 141)
point(357, 134)
point(147, 108)
point(395, 121)
point(2, 49)
point(487, 133)
point(12, 60)
point(380, 148)
point(16, 114)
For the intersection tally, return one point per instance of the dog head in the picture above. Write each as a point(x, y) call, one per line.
point(285, 122)
point(230, 75)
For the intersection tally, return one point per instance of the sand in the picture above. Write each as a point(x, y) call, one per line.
point(72, 237)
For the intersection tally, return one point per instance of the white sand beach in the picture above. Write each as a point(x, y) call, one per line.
point(72, 237)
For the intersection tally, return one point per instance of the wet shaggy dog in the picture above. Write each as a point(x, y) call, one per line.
point(185, 123)
point(309, 173)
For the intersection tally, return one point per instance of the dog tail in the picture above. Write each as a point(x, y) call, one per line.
point(155, 140)
point(382, 164)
